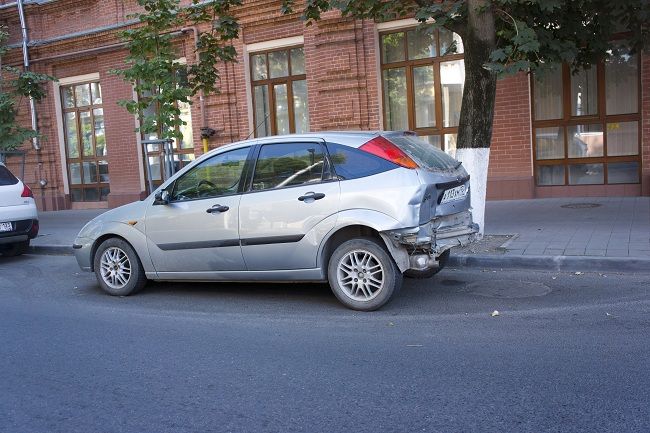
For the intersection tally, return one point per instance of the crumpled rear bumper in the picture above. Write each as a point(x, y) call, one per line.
point(424, 244)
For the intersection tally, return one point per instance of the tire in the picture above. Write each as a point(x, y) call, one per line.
point(16, 249)
point(370, 294)
point(428, 273)
point(118, 268)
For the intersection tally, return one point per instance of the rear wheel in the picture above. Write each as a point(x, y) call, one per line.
point(12, 250)
point(428, 273)
point(362, 275)
point(118, 268)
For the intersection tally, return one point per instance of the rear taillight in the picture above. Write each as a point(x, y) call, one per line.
point(27, 192)
point(383, 148)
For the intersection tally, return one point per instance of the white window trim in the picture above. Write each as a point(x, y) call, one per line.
point(257, 47)
point(397, 24)
point(275, 43)
point(58, 109)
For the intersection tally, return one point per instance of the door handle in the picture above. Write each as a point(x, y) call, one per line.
point(312, 195)
point(217, 208)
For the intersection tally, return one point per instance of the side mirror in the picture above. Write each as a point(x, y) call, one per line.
point(162, 197)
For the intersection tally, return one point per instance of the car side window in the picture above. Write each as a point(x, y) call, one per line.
point(289, 164)
point(351, 163)
point(214, 177)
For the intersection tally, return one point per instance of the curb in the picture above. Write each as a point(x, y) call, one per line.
point(60, 250)
point(553, 263)
point(501, 261)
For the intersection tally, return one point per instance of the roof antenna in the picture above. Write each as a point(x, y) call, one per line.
point(260, 124)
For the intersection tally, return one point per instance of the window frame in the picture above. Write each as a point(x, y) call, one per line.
point(270, 83)
point(601, 118)
point(409, 65)
point(90, 108)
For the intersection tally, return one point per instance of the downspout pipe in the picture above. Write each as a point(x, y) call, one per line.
point(32, 103)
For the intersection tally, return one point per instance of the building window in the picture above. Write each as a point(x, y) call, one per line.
point(586, 124)
point(183, 152)
point(279, 89)
point(85, 141)
point(423, 74)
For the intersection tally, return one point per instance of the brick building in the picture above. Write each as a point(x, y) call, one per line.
point(563, 135)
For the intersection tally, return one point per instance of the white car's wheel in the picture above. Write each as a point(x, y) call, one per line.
point(118, 268)
point(362, 274)
point(13, 250)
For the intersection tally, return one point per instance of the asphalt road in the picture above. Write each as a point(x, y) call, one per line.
point(567, 353)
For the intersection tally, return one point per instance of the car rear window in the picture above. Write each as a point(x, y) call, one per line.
point(351, 163)
point(6, 178)
point(424, 153)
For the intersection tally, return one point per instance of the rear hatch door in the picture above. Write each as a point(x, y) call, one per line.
point(447, 182)
point(10, 189)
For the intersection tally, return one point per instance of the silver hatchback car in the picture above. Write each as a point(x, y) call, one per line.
point(357, 209)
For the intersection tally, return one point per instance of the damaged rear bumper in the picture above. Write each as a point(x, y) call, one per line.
point(418, 248)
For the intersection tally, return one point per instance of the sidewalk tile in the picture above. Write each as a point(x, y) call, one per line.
point(639, 253)
point(595, 252)
point(574, 252)
point(617, 253)
point(554, 252)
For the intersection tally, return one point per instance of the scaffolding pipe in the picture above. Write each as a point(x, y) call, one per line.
point(32, 102)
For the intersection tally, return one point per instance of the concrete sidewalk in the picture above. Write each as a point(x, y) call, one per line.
point(590, 234)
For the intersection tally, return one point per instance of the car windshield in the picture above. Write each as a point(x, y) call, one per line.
point(6, 178)
point(427, 155)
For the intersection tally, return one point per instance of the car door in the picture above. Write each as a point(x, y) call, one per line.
point(291, 203)
point(198, 230)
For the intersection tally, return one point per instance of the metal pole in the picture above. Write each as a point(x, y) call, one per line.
point(146, 157)
point(32, 102)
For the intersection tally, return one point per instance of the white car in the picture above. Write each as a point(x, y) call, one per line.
point(18, 214)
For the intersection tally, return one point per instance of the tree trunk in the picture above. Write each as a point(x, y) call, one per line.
point(477, 112)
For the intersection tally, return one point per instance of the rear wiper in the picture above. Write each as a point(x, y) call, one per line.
point(458, 165)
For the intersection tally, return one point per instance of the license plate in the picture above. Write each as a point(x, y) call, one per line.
point(453, 194)
point(5, 227)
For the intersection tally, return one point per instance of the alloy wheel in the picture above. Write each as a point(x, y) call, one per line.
point(361, 275)
point(115, 267)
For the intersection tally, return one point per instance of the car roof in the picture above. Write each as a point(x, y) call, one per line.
point(347, 138)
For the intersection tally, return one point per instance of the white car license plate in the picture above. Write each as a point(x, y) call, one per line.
point(453, 194)
point(5, 227)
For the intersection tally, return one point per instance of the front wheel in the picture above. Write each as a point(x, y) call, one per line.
point(118, 268)
point(362, 275)
point(428, 273)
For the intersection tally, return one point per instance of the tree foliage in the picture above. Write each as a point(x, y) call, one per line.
point(16, 84)
point(526, 35)
point(531, 34)
point(158, 78)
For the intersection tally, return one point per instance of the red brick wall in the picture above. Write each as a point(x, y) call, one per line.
point(510, 173)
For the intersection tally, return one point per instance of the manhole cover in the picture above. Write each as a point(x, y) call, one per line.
point(508, 289)
point(580, 205)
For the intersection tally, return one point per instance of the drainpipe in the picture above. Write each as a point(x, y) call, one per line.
point(32, 102)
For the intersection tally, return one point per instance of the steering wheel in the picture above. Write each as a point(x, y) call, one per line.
point(205, 182)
